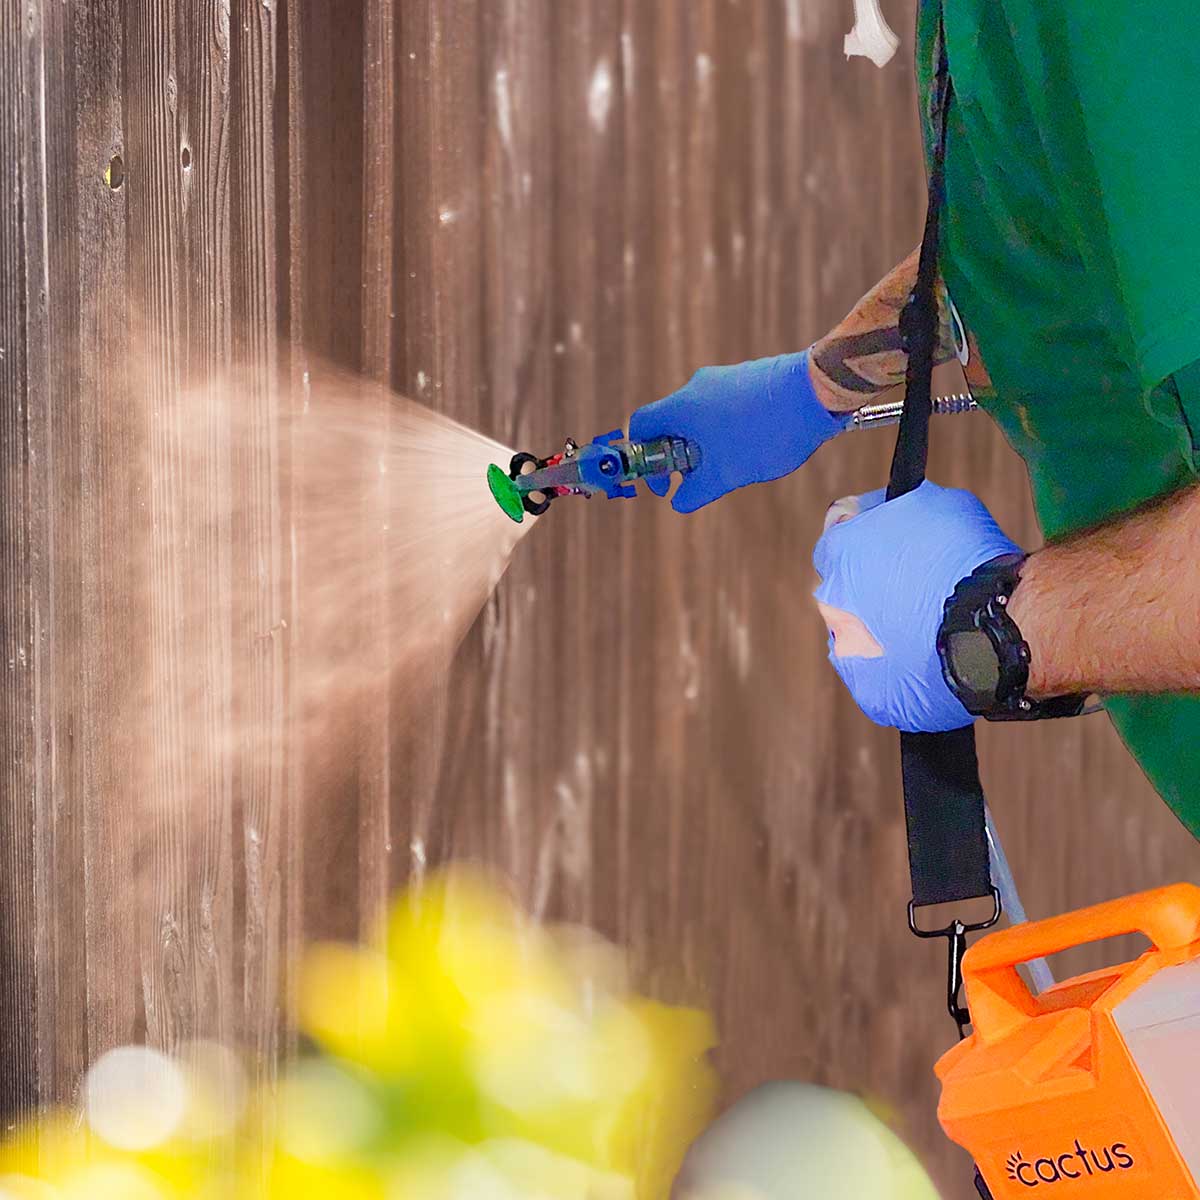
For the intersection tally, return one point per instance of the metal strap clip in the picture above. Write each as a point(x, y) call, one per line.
point(956, 935)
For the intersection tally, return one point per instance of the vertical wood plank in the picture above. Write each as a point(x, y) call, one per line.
point(622, 910)
point(418, 822)
point(65, 577)
point(341, 793)
point(168, 978)
point(290, 135)
point(23, 521)
point(582, 83)
point(380, 185)
point(261, 644)
point(441, 299)
point(62, 573)
point(188, 989)
point(110, 726)
point(516, 178)
point(676, 684)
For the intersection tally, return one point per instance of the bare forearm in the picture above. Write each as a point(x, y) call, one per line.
point(862, 357)
point(1117, 609)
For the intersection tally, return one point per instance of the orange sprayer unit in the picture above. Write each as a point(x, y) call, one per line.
point(1091, 1089)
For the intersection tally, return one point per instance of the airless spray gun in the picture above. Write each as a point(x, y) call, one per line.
point(611, 464)
point(607, 466)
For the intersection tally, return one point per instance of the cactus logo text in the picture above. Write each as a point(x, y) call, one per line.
point(1078, 1163)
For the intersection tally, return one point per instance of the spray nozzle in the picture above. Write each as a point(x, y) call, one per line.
point(608, 466)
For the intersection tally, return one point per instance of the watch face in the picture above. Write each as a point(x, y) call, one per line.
point(975, 667)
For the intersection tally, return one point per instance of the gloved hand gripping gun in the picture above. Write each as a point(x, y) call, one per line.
point(610, 465)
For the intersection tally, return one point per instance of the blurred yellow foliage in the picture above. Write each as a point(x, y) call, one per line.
point(466, 1051)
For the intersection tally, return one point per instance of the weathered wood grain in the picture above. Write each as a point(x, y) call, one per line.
point(264, 934)
point(108, 569)
point(326, 307)
point(380, 88)
point(532, 216)
point(23, 720)
point(515, 355)
point(186, 963)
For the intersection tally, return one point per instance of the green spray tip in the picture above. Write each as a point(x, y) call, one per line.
point(506, 494)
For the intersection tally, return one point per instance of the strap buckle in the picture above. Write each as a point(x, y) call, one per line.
point(956, 935)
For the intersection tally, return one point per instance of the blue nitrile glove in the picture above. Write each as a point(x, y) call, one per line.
point(893, 567)
point(753, 421)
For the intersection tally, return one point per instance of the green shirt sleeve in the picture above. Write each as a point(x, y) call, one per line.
point(1136, 69)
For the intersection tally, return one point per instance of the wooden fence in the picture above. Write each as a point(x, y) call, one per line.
point(532, 215)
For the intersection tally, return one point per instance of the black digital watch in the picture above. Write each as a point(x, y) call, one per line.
point(984, 658)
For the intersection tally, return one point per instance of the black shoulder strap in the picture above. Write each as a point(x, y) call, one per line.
point(943, 797)
point(919, 319)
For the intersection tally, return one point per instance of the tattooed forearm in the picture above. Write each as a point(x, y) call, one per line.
point(862, 356)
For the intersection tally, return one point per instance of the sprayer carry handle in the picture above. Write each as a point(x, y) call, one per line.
point(999, 998)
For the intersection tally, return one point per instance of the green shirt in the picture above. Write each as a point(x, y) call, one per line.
point(1071, 247)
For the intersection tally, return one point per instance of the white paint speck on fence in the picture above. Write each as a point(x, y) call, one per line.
point(627, 60)
point(503, 106)
point(600, 96)
point(795, 21)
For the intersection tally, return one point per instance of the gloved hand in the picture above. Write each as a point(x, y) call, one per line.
point(892, 568)
point(753, 421)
